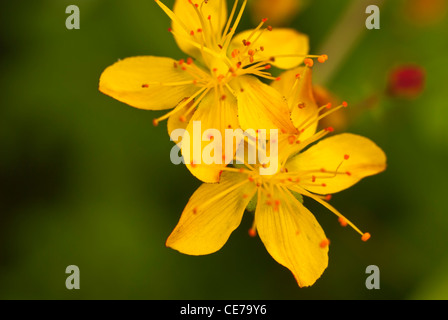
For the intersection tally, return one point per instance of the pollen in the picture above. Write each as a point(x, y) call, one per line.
point(324, 243)
point(366, 236)
point(308, 62)
point(342, 221)
point(322, 58)
point(252, 232)
point(291, 139)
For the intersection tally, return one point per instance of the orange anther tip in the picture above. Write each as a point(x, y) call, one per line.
point(267, 67)
point(192, 33)
point(330, 129)
point(170, 29)
point(366, 236)
point(278, 79)
point(342, 222)
point(324, 243)
point(328, 105)
point(345, 104)
point(269, 28)
point(346, 157)
point(265, 19)
point(182, 119)
point(328, 197)
point(155, 122)
point(195, 210)
point(298, 76)
point(252, 232)
point(209, 17)
point(308, 62)
point(145, 85)
point(189, 61)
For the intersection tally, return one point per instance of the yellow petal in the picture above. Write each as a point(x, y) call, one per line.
point(292, 236)
point(188, 23)
point(288, 46)
point(337, 163)
point(204, 150)
point(296, 86)
point(213, 212)
point(146, 82)
point(261, 106)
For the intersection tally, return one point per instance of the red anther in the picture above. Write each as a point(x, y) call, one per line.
point(245, 196)
point(267, 67)
point(251, 179)
point(215, 69)
point(269, 28)
point(170, 29)
point(301, 105)
point(308, 62)
point(235, 53)
point(324, 185)
point(328, 197)
point(223, 97)
point(269, 202)
point(313, 178)
point(251, 53)
point(199, 30)
point(323, 170)
point(291, 139)
point(328, 105)
point(262, 48)
point(209, 17)
point(145, 85)
point(324, 243)
point(195, 210)
point(283, 130)
point(196, 5)
point(298, 142)
point(155, 122)
point(191, 33)
point(241, 90)
point(298, 76)
point(366, 236)
point(278, 79)
point(277, 202)
point(348, 173)
point(252, 232)
point(346, 157)
point(182, 119)
point(264, 20)
point(181, 61)
point(330, 129)
point(342, 221)
point(322, 58)
point(345, 104)
point(189, 60)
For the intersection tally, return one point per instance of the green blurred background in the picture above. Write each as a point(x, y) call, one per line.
point(87, 180)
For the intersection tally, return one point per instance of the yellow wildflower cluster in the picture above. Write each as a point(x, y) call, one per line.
point(222, 85)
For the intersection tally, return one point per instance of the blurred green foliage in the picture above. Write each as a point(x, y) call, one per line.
point(87, 180)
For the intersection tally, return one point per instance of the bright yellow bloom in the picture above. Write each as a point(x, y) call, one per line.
point(202, 87)
point(289, 231)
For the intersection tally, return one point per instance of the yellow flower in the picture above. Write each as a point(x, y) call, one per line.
point(289, 231)
point(201, 87)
